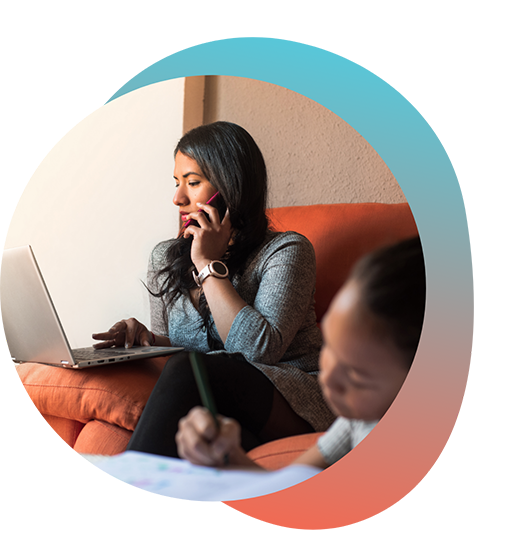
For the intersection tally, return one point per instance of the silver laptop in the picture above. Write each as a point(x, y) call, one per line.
point(33, 330)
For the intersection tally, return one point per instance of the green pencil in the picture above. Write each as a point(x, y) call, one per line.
point(201, 378)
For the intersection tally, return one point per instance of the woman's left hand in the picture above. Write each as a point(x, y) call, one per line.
point(210, 238)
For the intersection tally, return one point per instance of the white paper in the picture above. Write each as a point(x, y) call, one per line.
point(180, 479)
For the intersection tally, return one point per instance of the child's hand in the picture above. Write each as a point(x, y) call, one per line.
point(200, 442)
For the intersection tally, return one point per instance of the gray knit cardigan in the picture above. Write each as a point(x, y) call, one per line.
point(276, 332)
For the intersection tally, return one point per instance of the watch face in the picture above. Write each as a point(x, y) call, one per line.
point(220, 268)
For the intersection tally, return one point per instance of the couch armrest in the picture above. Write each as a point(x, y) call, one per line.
point(115, 394)
point(280, 453)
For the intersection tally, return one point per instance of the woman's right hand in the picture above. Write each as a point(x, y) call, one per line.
point(200, 442)
point(124, 334)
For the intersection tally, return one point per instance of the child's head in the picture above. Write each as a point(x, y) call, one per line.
point(372, 330)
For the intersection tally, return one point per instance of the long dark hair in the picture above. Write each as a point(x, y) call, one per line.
point(232, 162)
point(393, 285)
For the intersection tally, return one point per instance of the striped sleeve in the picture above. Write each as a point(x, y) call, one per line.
point(336, 442)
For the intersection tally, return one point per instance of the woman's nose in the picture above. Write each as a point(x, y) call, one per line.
point(179, 197)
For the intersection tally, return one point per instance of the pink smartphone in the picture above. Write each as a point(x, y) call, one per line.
point(219, 205)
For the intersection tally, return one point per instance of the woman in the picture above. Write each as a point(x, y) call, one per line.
point(232, 289)
point(371, 332)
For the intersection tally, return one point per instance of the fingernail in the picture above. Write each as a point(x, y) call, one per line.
point(127, 345)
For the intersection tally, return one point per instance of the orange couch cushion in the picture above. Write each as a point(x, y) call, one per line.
point(341, 234)
point(115, 394)
point(281, 453)
point(67, 429)
point(103, 438)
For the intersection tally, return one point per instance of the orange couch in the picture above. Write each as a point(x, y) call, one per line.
point(96, 411)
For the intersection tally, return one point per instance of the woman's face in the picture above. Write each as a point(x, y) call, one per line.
point(191, 185)
point(361, 370)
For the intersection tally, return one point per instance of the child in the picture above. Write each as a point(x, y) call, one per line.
point(371, 332)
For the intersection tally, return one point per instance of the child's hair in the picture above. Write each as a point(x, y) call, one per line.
point(393, 284)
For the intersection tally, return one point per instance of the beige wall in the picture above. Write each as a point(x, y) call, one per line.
point(97, 205)
point(312, 155)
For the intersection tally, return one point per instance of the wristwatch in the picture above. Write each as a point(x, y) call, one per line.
point(215, 268)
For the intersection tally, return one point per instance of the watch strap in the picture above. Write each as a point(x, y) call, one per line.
point(210, 270)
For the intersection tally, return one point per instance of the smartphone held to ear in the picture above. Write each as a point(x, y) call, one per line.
point(215, 201)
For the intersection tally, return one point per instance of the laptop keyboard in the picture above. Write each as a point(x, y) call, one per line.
point(88, 353)
point(95, 354)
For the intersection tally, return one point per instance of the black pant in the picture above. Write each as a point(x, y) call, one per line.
point(240, 390)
